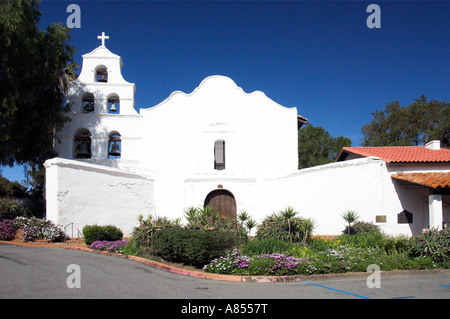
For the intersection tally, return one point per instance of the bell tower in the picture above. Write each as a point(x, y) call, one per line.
point(102, 110)
point(101, 88)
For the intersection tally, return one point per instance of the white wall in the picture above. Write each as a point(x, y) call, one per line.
point(88, 194)
point(364, 185)
point(260, 135)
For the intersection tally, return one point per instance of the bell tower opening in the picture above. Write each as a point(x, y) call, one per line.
point(82, 144)
point(114, 145)
point(101, 74)
point(88, 103)
point(114, 104)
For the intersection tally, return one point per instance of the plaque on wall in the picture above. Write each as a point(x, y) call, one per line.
point(405, 217)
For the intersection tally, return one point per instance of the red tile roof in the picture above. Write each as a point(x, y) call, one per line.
point(399, 154)
point(434, 180)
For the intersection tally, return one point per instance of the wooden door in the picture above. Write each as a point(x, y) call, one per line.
point(222, 201)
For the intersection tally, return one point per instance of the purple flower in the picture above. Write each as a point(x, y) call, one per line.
point(7, 229)
point(110, 246)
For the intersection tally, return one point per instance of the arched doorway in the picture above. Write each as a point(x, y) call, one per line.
point(222, 201)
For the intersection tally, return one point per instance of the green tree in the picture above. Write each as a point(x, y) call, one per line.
point(11, 189)
point(317, 147)
point(34, 74)
point(416, 124)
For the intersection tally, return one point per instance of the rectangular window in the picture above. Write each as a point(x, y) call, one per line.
point(219, 155)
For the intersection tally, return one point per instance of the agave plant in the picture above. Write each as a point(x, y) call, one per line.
point(191, 214)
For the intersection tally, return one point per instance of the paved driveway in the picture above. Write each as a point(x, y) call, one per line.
point(30, 272)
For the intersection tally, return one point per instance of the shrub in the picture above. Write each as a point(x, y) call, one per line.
point(191, 247)
point(7, 229)
point(284, 225)
point(207, 219)
point(362, 239)
point(10, 209)
point(142, 236)
point(36, 228)
point(93, 233)
point(361, 227)
point(432, 243)
point(266, 246)
point(395, 245)
point(318, 243)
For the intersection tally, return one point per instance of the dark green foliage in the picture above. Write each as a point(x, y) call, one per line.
point(285, 225)
point(432, 243)
point(10, 209)
point(206, 218)
point(266, 246)
point(361, 227)
point(93, 233)
point(143, 234)
point(416, 124)
point(317, 147)
point(12, 189)
point(33, 82)
point(192, 247)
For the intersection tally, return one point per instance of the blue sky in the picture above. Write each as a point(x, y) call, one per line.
point(317, 56)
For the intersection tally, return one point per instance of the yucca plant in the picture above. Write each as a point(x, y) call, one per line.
point(285, 225)
point(288, 214)
point(308, 226)
point(250, 224)
point(350, 217)
point(243, 216)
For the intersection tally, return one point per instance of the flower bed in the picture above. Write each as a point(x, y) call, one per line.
point(109, 246)
point(32, 229)
point(332, 258)
point(266, 264)
point(7, 229)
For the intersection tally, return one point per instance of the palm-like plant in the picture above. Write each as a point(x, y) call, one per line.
point(288, 214)
point(350, 217)
point(308, 226)
point(243, 216)
point(250, 224)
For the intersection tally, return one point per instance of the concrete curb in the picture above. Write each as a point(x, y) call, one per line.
point(262, 279)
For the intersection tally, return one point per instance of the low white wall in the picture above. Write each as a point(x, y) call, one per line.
point(89, 194)
point(325, 192)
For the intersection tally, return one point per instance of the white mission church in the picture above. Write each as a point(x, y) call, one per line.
point(218, 146)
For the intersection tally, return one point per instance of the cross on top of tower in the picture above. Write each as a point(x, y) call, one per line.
point(103, 37)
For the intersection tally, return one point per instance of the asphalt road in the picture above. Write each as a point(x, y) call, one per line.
point(55, 273)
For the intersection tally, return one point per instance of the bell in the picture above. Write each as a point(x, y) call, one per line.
point(89, 107)
point(103, 79)
point(83, 151)
point(113, 108)
point(115, 150)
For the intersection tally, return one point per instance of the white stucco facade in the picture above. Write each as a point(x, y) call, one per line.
point(177, 153)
